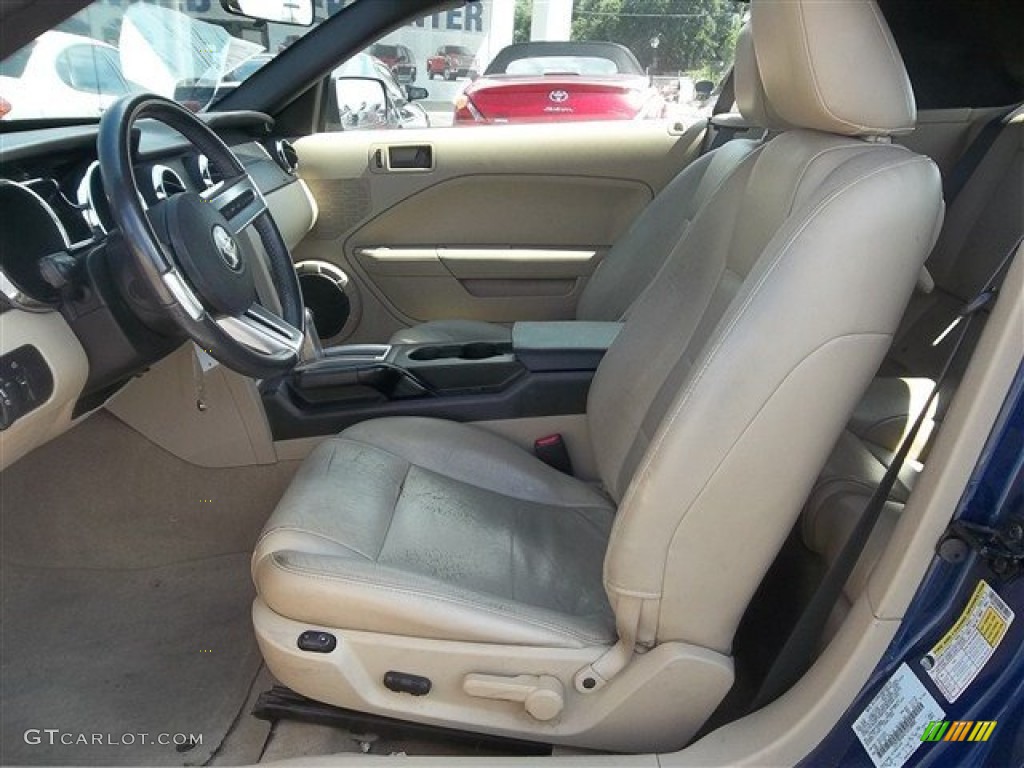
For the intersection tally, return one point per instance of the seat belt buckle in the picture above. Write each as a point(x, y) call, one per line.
point(552, 451)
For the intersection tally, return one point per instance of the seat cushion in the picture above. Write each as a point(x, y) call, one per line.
point(449, 331)
point(428, 528)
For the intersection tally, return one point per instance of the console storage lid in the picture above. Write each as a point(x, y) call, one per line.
point(562, 346)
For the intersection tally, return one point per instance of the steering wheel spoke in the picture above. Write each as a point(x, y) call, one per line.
point(261, 330)
point(189, 249)
point(238, 200)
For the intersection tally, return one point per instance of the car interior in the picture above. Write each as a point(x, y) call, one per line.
point(519, 441)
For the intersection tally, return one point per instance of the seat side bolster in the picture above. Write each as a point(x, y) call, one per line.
point(704, 537)
point(330, 590)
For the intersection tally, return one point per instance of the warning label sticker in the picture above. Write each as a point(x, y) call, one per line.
point(959, 656)
point(890, 727)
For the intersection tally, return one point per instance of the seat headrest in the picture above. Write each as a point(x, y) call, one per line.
point(751, 100)
point(832, 66)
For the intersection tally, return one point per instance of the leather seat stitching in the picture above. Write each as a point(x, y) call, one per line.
point(755, 293)
point(728, 451)
point(894, 55)
point(814, 75)
point(316, 534)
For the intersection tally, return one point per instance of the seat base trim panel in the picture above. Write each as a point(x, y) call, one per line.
point(656, 704)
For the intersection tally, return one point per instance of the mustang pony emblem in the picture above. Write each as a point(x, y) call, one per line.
point(227, 247)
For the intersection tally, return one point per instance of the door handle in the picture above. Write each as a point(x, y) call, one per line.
point(410, 157)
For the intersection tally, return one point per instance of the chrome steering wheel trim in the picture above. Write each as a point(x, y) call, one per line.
point(198, 263)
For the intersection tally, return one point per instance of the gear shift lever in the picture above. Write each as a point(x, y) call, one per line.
point(311, 350)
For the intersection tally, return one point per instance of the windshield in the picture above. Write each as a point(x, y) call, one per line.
point(192, 51)
point(562, 65)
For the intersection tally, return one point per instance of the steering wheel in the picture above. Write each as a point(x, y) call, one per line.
point(193, 249)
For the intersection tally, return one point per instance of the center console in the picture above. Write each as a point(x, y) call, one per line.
point(545, 370)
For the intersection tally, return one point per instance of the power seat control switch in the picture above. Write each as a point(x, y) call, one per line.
point(26, 382)
point(316, 641)
point(404, 682)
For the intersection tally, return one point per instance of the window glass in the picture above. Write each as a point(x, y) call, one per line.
point(89, 68)
point(554, 65)
point(14, 66)
point(192, 51)
point(508, 61)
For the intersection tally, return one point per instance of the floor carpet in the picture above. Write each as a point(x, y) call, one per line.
point(125, 600)
point(112, 655)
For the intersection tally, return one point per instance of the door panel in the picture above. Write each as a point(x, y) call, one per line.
point(506, 223)
point(496, 284)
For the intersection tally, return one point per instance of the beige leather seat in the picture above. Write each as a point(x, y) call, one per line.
point(980, 226)
point(631, 264)
point(541, 607)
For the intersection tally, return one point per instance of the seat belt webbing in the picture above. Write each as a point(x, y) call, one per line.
point(974, 154)
point(798, 651)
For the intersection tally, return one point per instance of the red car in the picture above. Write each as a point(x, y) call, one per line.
point(452, 61)
point(548, 81)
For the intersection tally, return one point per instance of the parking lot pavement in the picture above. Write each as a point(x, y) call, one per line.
point(440, 104)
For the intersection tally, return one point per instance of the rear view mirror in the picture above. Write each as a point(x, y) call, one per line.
point(298, 12)
point(415, 93)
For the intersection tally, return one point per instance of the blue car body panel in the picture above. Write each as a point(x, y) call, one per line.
point(994, 494)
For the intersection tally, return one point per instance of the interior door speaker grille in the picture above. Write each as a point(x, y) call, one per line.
point(343, 203)
point(326, 291)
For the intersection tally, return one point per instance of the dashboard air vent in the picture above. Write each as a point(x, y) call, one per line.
point(166, 182)
point(286, 156)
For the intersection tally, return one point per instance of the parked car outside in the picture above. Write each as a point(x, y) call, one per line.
point(398, 58)
point(61, 75)
point(559, 81)
point(452, 61)
point(355, 113)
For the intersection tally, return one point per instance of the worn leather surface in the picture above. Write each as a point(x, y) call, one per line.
point(710, 415)
point(435, 529)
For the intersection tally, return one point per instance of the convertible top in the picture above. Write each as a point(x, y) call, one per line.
point(624, 60)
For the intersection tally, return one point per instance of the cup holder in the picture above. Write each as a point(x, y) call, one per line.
point(477, 350)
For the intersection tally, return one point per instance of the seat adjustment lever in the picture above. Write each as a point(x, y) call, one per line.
point(542, 695)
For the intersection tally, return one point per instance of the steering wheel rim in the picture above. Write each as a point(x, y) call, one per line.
point(201, 270)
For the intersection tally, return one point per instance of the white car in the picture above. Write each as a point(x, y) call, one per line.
point(61, 75)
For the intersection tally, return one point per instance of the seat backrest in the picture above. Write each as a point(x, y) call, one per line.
point(637, 256)
point(716, 406)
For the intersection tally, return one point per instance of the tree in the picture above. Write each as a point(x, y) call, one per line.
point(523, 21)
point(696, 36)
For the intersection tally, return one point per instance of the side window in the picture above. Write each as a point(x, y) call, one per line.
point(496, 62)
point(14, 65)
point(91, 69)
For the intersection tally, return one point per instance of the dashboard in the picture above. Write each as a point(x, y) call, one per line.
point(73, 327)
